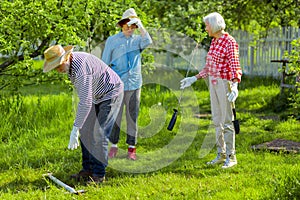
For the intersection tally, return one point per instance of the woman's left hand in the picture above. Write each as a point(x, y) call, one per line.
point(234, 93)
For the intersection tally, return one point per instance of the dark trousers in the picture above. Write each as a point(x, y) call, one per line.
point(95, 133)
point(131, 101)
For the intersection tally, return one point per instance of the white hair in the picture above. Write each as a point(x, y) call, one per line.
point(216, 22)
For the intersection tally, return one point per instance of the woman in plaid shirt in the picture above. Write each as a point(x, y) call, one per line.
point(222, 69)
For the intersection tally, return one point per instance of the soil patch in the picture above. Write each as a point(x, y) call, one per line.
point(279, 145)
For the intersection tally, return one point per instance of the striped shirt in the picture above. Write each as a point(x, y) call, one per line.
point(222, 59)
point(94, 81)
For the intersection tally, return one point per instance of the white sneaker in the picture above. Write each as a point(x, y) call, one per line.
point(230, 162)
point(221, 157)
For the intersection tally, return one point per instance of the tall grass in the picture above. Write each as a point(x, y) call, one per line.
point(35, 127)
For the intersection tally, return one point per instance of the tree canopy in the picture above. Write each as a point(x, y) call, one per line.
point(28, 27)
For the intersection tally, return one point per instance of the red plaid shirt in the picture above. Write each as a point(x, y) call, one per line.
point(223, 59)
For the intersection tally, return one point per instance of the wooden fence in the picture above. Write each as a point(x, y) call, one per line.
point(256, 54)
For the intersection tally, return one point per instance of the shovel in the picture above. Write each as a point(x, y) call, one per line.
point(175, 113)
point(62, 184)
point(235, 122)
point(173, 120)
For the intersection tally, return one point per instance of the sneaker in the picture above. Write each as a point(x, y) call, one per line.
point(96, 180)
point(113, 152)
point(132, 153)
point(221, 157)
point(83, 174)
point(230, 161)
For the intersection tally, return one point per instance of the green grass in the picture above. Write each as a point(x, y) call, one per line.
point(36, 124)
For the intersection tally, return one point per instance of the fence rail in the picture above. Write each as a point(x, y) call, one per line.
point(256, 54)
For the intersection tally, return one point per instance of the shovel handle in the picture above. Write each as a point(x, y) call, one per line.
point(62, 184)
point(235, 122)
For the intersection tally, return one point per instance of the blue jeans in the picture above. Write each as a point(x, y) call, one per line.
point(95, 133)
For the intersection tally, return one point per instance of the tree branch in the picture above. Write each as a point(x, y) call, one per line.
point(34, 54)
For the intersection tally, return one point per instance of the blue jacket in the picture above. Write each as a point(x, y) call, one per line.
point(124, 56)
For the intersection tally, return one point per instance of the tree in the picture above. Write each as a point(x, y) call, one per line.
point(28, 27)
point(294, 68)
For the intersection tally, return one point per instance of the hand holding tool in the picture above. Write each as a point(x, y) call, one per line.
point(233, 92)
point(236, 122)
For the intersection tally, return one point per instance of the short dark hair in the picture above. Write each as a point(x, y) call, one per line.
point(123, 22)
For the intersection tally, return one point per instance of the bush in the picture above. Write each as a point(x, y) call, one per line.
point(294, 68)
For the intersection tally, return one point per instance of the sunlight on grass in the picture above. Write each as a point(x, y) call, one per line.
point(171, 164)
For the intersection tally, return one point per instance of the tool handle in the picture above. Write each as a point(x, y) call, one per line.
point(234, 113)
point(57, 181)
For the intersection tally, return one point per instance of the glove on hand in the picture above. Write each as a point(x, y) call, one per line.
point(74, 143)
point(136, 21)
point(233, 93)
point(187, 82)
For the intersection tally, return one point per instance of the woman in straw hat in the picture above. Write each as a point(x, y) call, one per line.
point(100, 92)
point(123, 53)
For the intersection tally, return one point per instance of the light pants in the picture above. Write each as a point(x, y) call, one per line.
point(131, 101)
point(222, 116)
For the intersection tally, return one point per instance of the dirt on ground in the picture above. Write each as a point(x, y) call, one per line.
point(279, 145)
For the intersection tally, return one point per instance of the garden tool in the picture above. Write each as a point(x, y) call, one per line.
point(173, 120)
point(67, 187)
point(235, 122)
point(175, 114)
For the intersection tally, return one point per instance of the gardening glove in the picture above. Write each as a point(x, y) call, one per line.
point(74, 143)
point(136, 21)
point(233, 94)
point(187, 82)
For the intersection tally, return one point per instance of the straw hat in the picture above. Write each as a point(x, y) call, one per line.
point(55, 55)
point(130, 13)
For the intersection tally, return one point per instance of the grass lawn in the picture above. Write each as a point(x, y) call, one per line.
point(35, 128)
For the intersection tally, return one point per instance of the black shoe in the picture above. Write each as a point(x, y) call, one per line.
point(81, 175)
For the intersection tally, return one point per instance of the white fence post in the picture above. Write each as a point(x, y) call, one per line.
point(256, 56)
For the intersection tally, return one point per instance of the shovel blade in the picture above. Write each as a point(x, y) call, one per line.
point(236, 125)
point(173, 120)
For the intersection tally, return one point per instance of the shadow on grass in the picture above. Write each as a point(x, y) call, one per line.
point(22, 185)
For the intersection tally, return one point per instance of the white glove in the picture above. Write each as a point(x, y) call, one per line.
point(74, 143)
point(233, 93)
point(136, 21)
point(187, 82)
